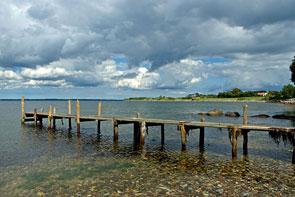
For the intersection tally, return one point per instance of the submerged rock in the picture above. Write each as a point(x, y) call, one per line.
point(202, 113)
point(232, 114)
point(284, 116)
point(260, 116)
point(215, 112)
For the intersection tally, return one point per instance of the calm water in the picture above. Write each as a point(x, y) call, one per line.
point(38, 162)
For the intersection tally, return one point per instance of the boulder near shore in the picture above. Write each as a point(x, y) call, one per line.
point(215, 112)
point(232, 114)
point(260, 116)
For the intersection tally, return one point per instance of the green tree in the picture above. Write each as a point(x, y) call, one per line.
point(274, 95)
point(292, 69)
point(236, 92)
point(288, 91)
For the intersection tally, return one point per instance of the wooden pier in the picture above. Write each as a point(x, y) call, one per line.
point(141, 125)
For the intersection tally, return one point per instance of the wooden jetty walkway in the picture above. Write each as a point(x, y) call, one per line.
point(141, 125)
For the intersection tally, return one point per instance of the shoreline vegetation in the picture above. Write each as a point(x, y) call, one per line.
point(286, 96)
point(198, 99)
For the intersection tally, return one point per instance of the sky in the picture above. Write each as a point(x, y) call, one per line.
point(115, 49)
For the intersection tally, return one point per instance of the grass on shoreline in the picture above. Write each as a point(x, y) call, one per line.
point(239, 99)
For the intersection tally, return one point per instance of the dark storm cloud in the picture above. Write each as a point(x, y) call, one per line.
point(163, 32)
point(157, 31)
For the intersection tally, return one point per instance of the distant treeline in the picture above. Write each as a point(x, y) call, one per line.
point(287, 92)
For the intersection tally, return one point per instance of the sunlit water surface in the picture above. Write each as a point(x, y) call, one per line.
point(38, 162)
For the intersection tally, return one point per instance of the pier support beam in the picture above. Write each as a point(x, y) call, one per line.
point(202, 136)
point(35, 117)
point(293, 155)
point(142, 132)
point(162, 134)
point(70, 112)
point(245, 142)
point(244, 131)
point(54, 121)
point(99, 114)
point(234, 142)
point(116, 130)
point(23, 110)
point(136, 129)
point(49, 117)
point(183, 137)
point(78, 117)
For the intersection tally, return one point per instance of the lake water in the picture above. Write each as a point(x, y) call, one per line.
point(38, 162)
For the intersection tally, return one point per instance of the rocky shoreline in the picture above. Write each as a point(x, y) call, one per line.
point(288, 101)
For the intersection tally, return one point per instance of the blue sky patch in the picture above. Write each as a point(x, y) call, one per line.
point(212, 60)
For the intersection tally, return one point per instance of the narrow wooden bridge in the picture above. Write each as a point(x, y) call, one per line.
point(141, 125)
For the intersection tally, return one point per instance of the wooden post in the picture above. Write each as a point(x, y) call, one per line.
point(245, 142)
point(54, 121)
point(78, 117)
point(162, 134)
point(245, 132)
point(41, 121)
point(49, 117)
point(245, 119)
point(235, 142)
point(183, 137)
point(23, 110)
point(35, 117)
point(202, 136)
point(136, 129)
point(142, 132)
point(116, 131)
point(99, 109)
point(70, 112)
point(293, 155)
point(99, 114)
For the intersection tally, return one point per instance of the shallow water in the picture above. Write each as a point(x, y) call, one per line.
point(38, 162)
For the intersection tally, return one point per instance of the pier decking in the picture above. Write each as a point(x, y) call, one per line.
point(141, 125)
